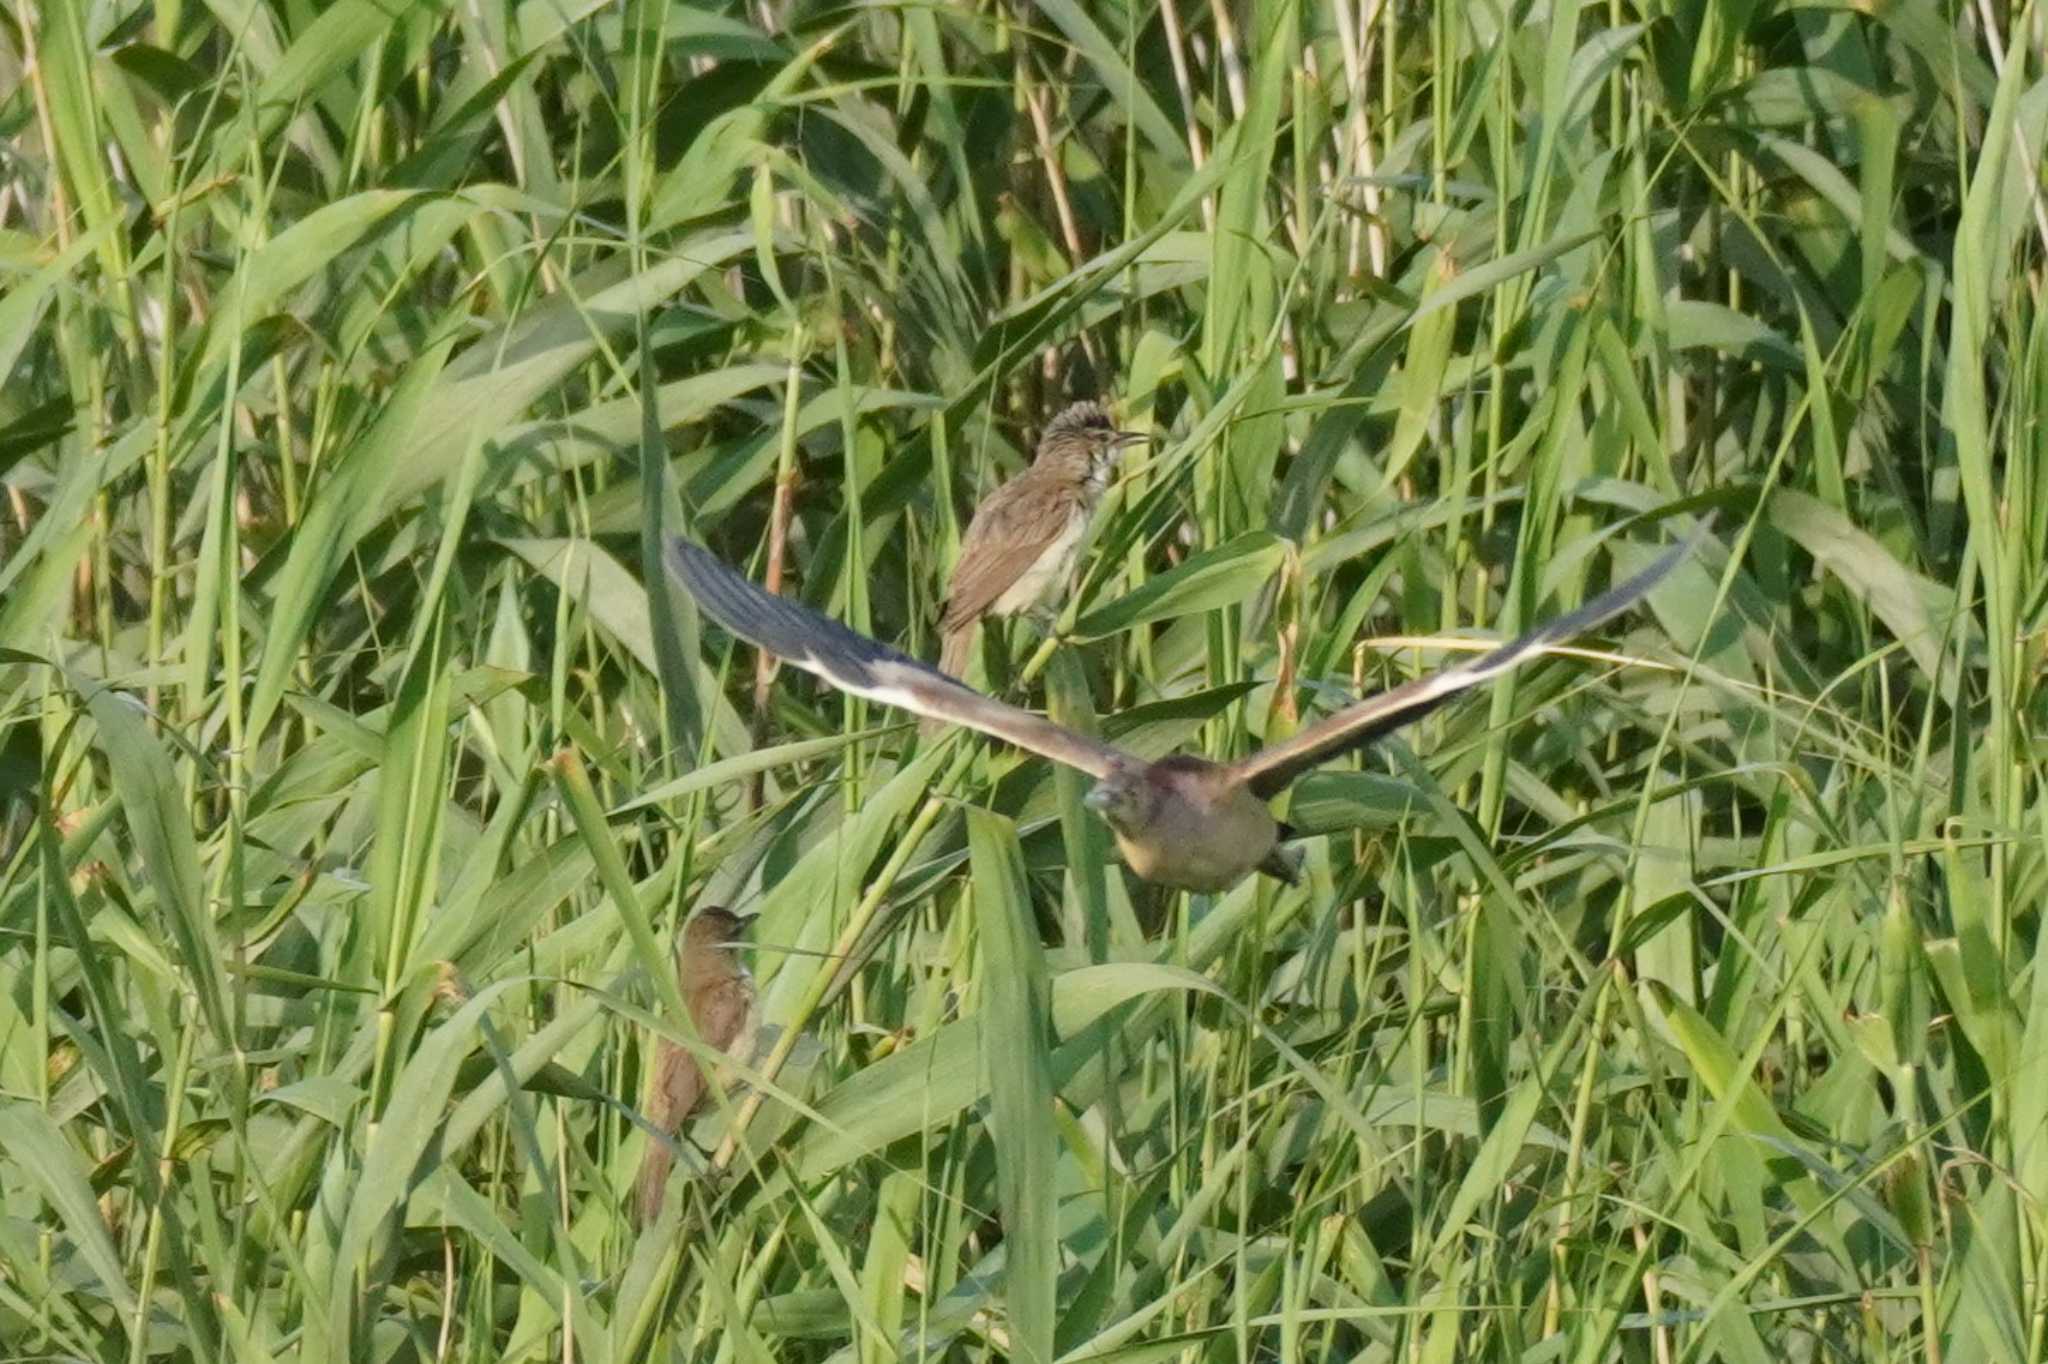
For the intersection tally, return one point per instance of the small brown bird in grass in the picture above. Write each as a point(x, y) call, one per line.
point(719, 993)
point(1019, 549)
point(1182, 821)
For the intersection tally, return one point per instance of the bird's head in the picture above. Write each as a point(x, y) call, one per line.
point(713, 927)
point(1083, 442)
point(1123, 799)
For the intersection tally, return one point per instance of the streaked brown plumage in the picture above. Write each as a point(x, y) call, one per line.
point(1019, 549)
point(1182, 821)
point(719, 994)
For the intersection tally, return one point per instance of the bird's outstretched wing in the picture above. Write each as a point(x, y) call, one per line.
point(854, 663)
point(1268, 772)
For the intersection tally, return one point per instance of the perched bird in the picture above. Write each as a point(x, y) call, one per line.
point(1182, 821)
point(719, 993)
point(1019, 549)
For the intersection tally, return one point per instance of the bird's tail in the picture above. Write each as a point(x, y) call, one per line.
point(652, 1181)
point(1284, 862)
point(956, 650)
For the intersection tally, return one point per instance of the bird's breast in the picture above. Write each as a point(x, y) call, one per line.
point(1203, 843)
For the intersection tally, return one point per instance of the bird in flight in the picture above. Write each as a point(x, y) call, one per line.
point(1019, 549)
point(719, 993)
point(1182, 821)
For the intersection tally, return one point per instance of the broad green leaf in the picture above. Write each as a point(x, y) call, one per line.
point(35, 1147)
point(401, 1151)
point(1226, 575)
point(599, 584)
point(1921, 614)
point(22, 302)
point(340, 514)
point(152, 799)
point(489, 387)
point(1709, 325)
point(332, 43)
point(1015, 1035)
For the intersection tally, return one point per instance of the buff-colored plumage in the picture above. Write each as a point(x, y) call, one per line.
point(1020, 546)
point(719, 994)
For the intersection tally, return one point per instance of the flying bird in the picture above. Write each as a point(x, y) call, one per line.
point(719, 993)
point(1183, 821)
point(1019, 550)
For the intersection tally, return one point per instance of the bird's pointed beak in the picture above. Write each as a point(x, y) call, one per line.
point(1123, 438)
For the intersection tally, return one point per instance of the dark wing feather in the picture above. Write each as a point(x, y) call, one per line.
point(1268, 772)
point(854, 663)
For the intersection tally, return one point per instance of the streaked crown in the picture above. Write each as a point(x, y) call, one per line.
point(1080, 442)
point(1087, 420)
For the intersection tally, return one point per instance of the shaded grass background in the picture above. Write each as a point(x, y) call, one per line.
point(1675, 1002)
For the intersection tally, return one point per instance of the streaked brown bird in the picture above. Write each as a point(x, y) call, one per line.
point(1020, 546)
point(1182, 821)
point(719, 994)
